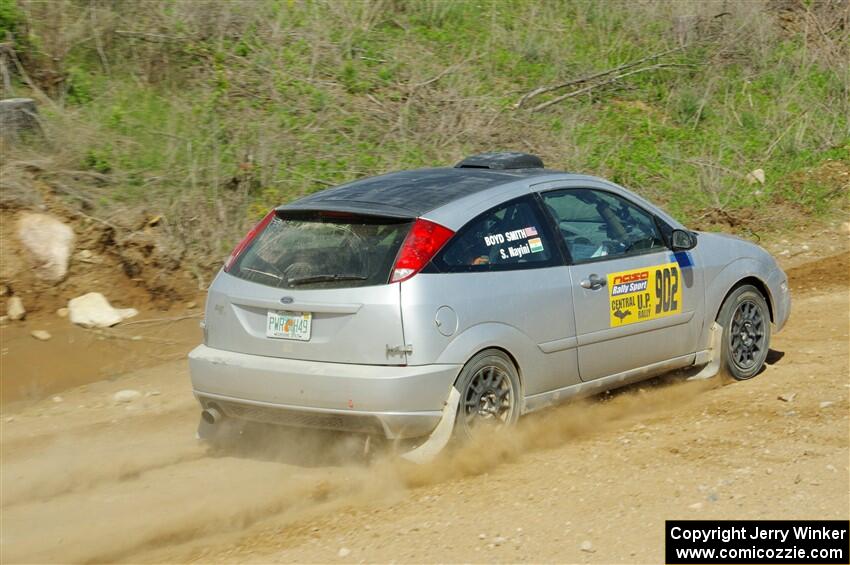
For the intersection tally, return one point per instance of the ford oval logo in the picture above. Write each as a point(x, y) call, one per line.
point(286, 300)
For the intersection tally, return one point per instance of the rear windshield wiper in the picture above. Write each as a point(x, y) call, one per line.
point(324, 278)
point(259, 272)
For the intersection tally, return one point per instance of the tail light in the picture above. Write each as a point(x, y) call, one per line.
point(249, 237)
point(420, 245)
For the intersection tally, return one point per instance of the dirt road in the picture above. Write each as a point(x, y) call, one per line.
point(90, 479)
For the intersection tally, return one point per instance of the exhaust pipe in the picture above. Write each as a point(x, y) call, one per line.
point(211, 415)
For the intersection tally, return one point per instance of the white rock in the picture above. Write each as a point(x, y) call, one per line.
point(696, 506)
point(756, 176)
point(826, 404)
point(127, 395)
point(15, 308)
point(787, 397)
point(49, 243)
point(785, 252)
point(586, 546)
point(57, 399)
point(41, 335)
point(62, 312)
point(94, 310)
point(343, 552)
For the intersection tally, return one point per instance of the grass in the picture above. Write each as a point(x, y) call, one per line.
point(209, 113)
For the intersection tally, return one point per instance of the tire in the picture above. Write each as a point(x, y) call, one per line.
point(489, 393)
point(745, 319)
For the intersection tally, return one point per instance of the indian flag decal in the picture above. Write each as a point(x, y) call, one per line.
point(535, 244)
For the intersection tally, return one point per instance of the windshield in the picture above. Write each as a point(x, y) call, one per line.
point(323, 250)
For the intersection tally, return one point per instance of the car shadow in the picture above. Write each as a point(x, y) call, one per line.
point(774, 356)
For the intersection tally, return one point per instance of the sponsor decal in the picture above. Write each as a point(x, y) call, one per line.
point(535, 244)
point(644, 294)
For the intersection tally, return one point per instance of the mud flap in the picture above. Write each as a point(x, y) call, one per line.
point(716, 348)
point(441, 435)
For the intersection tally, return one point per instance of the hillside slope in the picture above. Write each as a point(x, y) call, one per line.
point(206, 113)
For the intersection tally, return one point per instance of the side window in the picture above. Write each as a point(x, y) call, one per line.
point(596, 224)
point(509, 236)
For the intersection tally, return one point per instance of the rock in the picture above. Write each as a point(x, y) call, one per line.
point(785, 252)
point(343, 552)
point(18, 115)
point(49, 243)
point(825, 404)
point(482, 536)
point(191, 305)
point(499, 540)
point(587, 547)
point(787, 397)
point(41, 335)
point(57, 399)
point(4, 290)
point(127, 395)
point(62, 312)
point(696, 506)
point(86, 256)
point(756, 176)
point(93, 310)
point(15, 308)
point(153, 393)
point(845, 227)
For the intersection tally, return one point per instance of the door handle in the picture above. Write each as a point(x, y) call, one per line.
point(593, 282)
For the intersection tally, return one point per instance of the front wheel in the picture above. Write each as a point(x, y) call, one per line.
point(489, 393)
point(745, 319)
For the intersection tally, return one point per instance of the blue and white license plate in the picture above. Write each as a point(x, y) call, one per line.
point(289, 325)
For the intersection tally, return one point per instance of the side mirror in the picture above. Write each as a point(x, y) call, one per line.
point(682, 240)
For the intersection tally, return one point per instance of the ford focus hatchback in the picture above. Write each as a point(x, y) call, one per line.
point(448, 297)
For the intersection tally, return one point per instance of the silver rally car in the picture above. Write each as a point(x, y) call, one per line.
point(430, 300)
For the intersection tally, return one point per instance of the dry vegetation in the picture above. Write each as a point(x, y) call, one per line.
point(206, 113)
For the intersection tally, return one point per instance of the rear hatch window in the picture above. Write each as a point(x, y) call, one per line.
point(322, 250)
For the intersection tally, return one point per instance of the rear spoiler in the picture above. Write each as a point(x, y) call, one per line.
point(350, 206)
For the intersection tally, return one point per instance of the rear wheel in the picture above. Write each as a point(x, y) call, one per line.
point(489, 393)
point(746, 332)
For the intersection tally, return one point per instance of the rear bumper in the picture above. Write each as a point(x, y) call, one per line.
point(398, 401)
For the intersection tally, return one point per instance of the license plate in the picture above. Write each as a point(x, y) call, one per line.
point(289, 325)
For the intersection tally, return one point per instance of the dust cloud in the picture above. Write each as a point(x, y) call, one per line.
point(103, 496)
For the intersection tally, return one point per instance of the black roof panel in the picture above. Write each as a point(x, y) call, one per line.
point(409, 193)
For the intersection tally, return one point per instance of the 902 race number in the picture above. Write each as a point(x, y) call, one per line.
point(666, 289)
